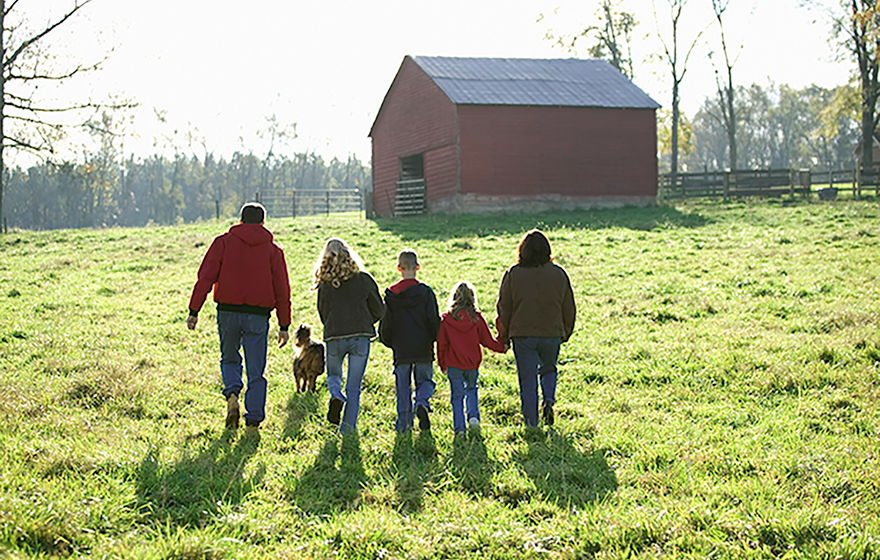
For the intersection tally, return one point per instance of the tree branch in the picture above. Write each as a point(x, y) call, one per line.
point(27, 44)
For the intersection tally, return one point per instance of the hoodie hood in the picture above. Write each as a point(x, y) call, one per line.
point(461, 322)
point(410, 297)
point(252, 234)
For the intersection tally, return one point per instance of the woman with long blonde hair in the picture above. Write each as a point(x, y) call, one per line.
point(349, 304)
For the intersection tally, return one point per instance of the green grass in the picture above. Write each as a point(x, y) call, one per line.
point(719, 398)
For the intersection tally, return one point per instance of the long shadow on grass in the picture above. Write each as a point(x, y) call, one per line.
point(471, 465)
point(444, 226)
point(563, 474)
point(414, 462)
point(330, 485)
point(190, 490)
point(300, 407)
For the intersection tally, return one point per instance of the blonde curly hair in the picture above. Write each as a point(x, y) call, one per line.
point(338, 262)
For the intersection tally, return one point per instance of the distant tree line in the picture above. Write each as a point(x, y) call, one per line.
point(103, 191)
point(779, 127)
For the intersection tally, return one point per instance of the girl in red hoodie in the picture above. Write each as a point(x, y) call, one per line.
point(463, 330)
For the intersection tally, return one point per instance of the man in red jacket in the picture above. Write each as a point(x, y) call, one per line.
point(248, 273)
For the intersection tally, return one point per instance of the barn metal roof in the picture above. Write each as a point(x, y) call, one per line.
point(519, 81)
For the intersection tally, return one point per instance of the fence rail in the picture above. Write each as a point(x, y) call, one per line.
point(285, 203)
point(767, 182)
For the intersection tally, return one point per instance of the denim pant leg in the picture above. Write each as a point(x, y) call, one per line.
point(423, 374)
point(470, 393)
point(548, 354)
point(456, 399)
point(525, 352)
point(403, 392)
point(229, 329)
point(358, 354)
point(335, 356)
point(255, 342)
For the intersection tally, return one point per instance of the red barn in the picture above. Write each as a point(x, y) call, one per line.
point(482, 134)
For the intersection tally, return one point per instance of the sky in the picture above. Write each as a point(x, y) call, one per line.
point(216, 70)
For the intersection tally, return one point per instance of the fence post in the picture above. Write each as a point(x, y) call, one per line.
point(726, 185)
point(294, 203)
point(217, 208)
point(328, 202)
point(368, 204)
point(857, 185)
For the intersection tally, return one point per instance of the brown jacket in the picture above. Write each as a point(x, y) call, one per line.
point(535, 301)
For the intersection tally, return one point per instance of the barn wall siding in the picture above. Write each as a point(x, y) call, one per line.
point(416, 117)
point(561, 153)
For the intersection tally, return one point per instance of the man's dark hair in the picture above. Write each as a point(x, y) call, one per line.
point(253, 213)
point(533, 249)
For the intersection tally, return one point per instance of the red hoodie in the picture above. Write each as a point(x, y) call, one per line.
point(459, 341)
point(246, 268)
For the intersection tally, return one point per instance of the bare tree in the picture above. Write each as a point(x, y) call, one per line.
point(678, 67)
point(611, 37)
point(28, 123)
point(726, 91)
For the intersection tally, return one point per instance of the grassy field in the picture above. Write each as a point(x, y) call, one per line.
point(719, 398)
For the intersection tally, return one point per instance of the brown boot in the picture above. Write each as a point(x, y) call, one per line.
point(232, 412)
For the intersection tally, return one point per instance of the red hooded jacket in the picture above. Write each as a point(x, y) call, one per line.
point(245, 268)
point(459, 341)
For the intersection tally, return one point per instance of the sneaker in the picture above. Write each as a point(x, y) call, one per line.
point(474, 424)
point(334, 411)
point(233, 412)
point(422, 415)
point(549, 417)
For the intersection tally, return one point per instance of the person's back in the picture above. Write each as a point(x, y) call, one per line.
point(248, 274)
point(409, 328)
point(411, 322)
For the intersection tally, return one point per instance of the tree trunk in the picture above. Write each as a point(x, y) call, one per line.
point(2, 109)
point(675, 116)
point(731, 121)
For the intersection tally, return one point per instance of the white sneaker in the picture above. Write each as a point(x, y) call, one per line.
point(474, 423)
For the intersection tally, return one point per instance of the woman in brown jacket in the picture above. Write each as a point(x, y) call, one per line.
point(536, 314)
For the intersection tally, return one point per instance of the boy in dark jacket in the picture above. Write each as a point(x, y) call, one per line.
point(409, 328)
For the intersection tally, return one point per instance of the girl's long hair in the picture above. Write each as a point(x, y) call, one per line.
point(338, 262)
point(463, 298)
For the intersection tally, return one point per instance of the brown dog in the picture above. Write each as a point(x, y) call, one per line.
point(308, 360)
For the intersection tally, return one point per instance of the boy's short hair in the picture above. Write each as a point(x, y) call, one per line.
point(407, 259)
point(253, 213)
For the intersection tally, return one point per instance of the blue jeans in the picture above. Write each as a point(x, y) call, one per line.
point(536, 359)
point(463, 386)
point(403, 388)
point(357, 348)
point(251, 333)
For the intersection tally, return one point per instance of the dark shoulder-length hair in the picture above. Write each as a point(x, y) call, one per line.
point(533, 249)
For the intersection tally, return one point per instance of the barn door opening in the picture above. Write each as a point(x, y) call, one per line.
point(409, 197)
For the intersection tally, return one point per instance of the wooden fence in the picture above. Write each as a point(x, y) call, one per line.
point(285, 203)
point(766, 183)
